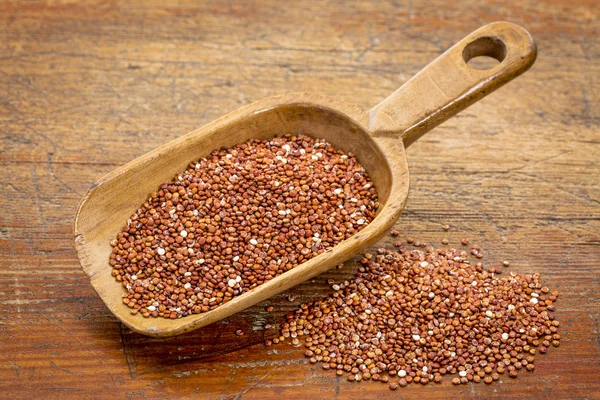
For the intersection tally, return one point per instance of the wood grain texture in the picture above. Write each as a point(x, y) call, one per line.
point(86, 87)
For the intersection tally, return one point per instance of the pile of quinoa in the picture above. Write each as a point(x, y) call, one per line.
point(236, 219)
point(419, 316)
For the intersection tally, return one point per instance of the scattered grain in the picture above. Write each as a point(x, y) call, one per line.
point(422, 315)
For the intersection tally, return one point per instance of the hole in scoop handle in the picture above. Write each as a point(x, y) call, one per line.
point(449, 85)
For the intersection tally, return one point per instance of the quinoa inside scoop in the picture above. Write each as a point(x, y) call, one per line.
point(236, 219)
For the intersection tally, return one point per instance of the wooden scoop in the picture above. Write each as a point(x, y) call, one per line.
point(377, 137)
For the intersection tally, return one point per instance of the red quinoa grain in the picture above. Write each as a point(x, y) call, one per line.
point(236, 219)
point(424, 315)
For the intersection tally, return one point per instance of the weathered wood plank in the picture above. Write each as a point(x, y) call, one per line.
point(88, 86)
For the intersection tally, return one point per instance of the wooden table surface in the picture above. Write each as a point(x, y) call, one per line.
point(86, 87)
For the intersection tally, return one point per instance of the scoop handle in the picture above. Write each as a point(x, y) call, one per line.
point(449, 85)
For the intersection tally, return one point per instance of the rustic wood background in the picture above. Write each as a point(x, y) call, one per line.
point(88, 86)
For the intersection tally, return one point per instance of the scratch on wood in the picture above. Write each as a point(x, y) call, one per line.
point(52, 363)
point(243, 392)
point(127, 351)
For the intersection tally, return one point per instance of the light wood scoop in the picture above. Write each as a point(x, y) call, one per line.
point(377, 137)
